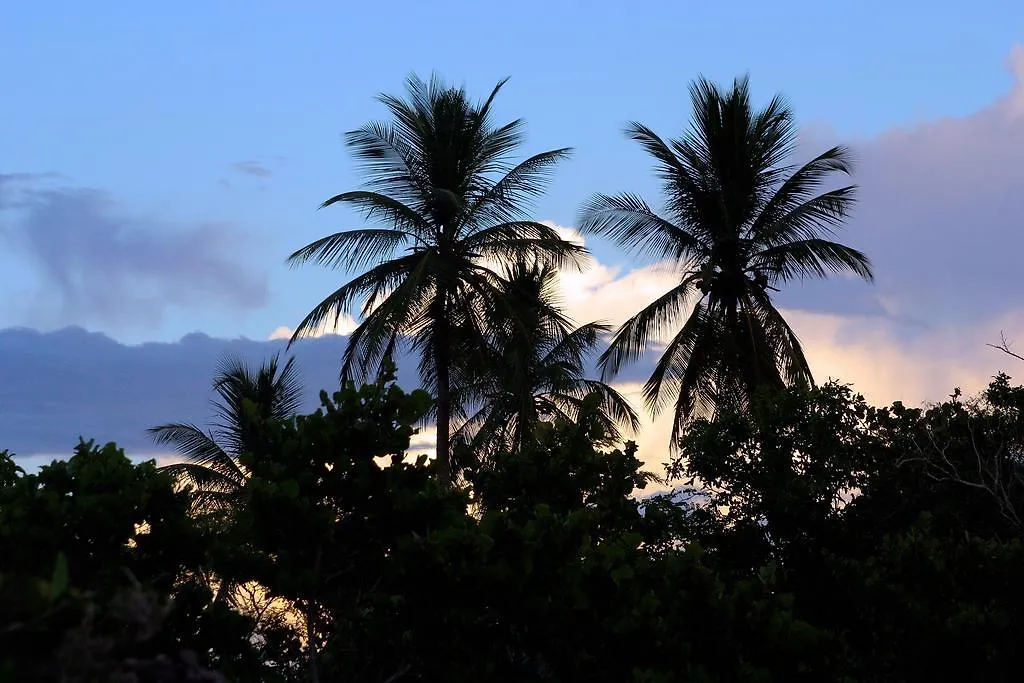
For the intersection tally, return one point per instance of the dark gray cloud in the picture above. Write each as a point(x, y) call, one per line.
point(12, 183)
point(60, 385)
point(101, 265)
point(252, 168)
point(941, 214)
point(14, 178)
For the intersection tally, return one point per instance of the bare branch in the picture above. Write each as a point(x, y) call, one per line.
point(998, 474)
point(1004, 346)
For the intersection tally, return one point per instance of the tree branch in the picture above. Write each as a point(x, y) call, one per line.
point(1004, 346)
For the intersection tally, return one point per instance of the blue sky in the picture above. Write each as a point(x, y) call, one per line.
point(158, 163)
point(152, 105)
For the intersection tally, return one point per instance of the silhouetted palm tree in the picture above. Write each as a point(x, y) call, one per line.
point(533, 369)
point(739, 221)
point(211, 464)
point(441, 184)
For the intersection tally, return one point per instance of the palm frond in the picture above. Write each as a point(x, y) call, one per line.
point(470, 423)
point(286, 388)
point(203, 479)
point(352, 249)
point(484, 110)
point(801, 184)
point(669, 166)
point(211, 466)
point(493, 148)
point(392, 163)
point(647, 326)
point(701, 387)
point(395, 315)
point(816, 218)
point(790, 356)
point(702, 330)
point(276, 390)
point(773, 134)
point(689, 182)
point(811, 258)
point(629, 221)
point(372, 286)
point(387, 209)
point(504, 200)
point(239, 389)
point(573, 347)
point(529, 240)
point(197, 447)
point(613, 404)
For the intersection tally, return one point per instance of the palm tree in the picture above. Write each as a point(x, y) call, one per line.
point(739, 222)
point(441, 185)
point(211, 463)
point(532, 369)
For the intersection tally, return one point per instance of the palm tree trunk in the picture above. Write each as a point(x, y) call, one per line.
point(442, 360)
point(310, 615)
point(444, 465)
point(314, 669)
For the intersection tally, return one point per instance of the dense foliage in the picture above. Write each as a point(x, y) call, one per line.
point(831, 541)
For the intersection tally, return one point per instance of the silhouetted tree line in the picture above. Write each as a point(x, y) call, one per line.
point(830, 541)
point(809, 536)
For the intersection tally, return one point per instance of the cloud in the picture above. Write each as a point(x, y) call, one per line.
point(255, 169)
point(32, 463)
point(872, 355)
point(60, 385)
point(941, 214)
point(99, 264)
point(344, 326)
point(423, 442)
point(609, 294)
point(21, 178)
point(252, 168)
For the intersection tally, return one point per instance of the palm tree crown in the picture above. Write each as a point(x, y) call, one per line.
point(739, 221)
point(447, 198)
point(211, 464)
point(533, 368)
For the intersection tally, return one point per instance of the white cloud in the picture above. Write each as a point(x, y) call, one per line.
point(606, 293)
point(870, 354)
point(32, 462)
point(423, 442)
point(344, 327)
